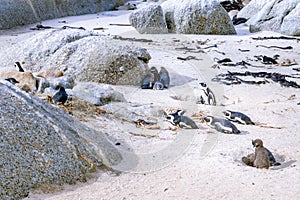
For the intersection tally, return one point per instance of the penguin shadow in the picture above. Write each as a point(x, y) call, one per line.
point(179, 80)
point(281, 160)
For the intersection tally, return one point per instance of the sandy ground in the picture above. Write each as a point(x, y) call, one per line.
point(195, 164)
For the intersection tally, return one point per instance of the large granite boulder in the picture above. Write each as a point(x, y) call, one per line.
point(41, 145)
point(149, 19)
point(87, 56)
point(19, 12)
point(197, 17)
point(275, 15)
point(97, 94)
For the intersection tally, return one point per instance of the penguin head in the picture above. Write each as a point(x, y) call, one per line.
point(227, 113)
point(12, 80)
point(62, 89)
point(19, 67)
point(203, 85)
point(158, 86)
point(257, 143)
point(208, 119)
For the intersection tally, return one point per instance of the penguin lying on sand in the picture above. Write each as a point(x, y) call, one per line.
point(221, 125)
point(238, 117)
point(177, 119)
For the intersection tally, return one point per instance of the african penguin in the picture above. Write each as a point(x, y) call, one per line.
point(164, 77)
point(272, 159)
point(261, 159)
point(221, 125)
point(207, 96)
point(158, 85)
point(238, 117)
point(19, 67)
point(12, 80)
point(177, 119)
point(148, 81)
point(154, 71)
point(60, 96)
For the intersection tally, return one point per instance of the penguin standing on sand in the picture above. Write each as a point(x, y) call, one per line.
point(221, 125)
point(177, 119)
point(207, 96)
point(154, 71)
point(238, 117)
point(148, 81)
point(60, 96)
point(19, 67)
point(164, 77)
point(261, 159)
point(12, 80)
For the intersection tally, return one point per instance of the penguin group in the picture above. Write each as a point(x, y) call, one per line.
point(156, 80)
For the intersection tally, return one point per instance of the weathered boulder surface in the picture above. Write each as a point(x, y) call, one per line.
point(27, 81)
point(149, 20)
point(97, 94)
point(87, 56)
point(276, 15)
point(18, 12)
point(197, 17)
point(42, 145)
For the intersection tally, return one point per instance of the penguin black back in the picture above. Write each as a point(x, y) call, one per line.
point(164, 77)
point(60, 96)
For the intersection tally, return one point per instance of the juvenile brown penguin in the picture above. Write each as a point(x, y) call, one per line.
point(148, 81)
point(261, 159)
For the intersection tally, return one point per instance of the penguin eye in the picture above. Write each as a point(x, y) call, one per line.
point(168, 117)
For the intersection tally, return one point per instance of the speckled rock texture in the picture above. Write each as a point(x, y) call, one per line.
point(149, 20)
point(276, 15)
point(19, 12)
point(42, 145)
point(197, 17)
point(97, 94)
point(87, 56)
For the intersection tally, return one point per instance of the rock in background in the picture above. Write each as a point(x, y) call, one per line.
point(276, 15)
point(197, 17)
point(42, 145)
point(18, 12)
point(86, 56)
point(149, 20)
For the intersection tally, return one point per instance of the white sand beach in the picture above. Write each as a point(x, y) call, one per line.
point(202, 163)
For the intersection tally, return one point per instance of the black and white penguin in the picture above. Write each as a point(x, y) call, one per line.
point(154, 71)
point(164, 77)
point(206, 96)
point(158, 85)
point(12, 80)
point(148, 81)
point(177, 119)
point(60, 96)
point(19, 67)
point(272, 159)
point(221, 125)
point(238, 117)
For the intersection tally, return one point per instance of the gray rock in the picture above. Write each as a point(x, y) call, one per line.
point(197, 17)
point(290, 24)
point(63, 81)
point(87, 56)
point(15, 13)
point(42, 145)
point(97, 94)
point(149, 20)
point(276, 15)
